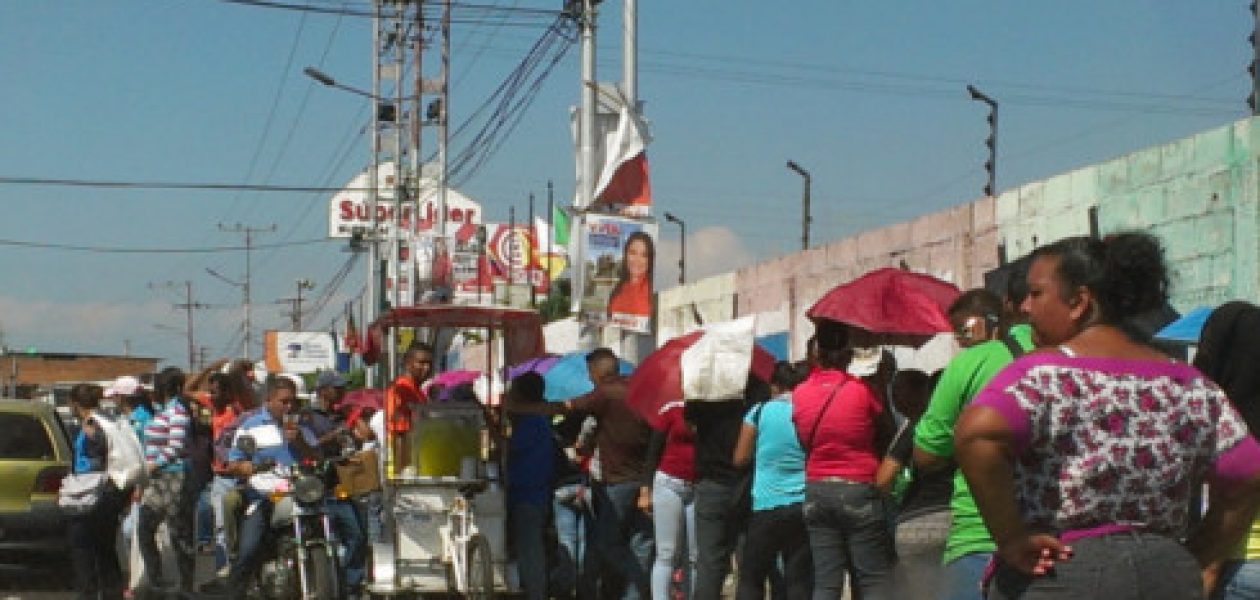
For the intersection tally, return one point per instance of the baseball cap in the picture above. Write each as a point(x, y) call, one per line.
point(329, 378)
point(124, 385)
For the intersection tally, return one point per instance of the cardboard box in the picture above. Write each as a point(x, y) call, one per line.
point(360, 474)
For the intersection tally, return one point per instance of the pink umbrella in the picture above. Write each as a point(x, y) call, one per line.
point(454, 377)
point(365, 397)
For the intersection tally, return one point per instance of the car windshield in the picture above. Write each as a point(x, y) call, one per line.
point(25, 438)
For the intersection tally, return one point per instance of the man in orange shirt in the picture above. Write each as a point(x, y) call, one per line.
point(417, 366)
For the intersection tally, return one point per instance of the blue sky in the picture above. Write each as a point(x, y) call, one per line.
point(869, 96)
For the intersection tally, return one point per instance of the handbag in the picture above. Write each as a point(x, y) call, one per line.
point(80, 492)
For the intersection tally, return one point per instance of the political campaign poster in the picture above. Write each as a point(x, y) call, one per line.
point(620, 262)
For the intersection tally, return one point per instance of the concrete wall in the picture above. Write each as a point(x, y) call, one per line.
point(1200, 195)
point(957, 244)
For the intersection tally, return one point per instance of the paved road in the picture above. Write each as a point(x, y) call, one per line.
point(51, 578)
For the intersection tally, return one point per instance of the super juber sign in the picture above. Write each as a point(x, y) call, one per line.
point(351, 209)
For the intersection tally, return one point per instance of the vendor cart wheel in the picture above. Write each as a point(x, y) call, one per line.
point(480, 575)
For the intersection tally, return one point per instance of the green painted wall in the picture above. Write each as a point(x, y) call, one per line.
point(1198, 194)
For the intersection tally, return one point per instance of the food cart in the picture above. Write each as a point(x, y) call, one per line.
point(444, 517)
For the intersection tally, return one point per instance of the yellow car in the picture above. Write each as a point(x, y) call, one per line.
point(35, 453)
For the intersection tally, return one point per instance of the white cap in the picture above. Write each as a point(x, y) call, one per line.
point(125, 385)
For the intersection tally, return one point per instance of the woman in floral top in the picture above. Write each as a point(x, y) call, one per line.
point(1083, 456)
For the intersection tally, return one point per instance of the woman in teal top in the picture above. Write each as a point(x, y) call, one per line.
point(776, 528)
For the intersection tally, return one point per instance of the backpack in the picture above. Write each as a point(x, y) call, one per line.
point(124, 461)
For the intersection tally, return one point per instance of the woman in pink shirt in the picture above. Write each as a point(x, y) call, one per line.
point(840, 420)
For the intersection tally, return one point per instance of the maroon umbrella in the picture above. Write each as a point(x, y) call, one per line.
point(657, 380)
point(890, 301)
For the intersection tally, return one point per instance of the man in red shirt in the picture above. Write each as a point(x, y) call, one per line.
point(402, 394)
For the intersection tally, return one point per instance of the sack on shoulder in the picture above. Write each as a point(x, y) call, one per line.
point(125, 460)
point(80, 492)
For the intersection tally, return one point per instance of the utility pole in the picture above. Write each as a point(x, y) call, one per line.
point(188, 306)
point(529, 276)
point(295, 317)
point(586, 146)
point(248, 232)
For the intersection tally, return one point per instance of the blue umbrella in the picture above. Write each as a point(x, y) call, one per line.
point(1186, 330)
point(567, 376)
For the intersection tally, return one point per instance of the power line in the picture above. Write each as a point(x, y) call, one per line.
point(124, 250)
point(169, 185)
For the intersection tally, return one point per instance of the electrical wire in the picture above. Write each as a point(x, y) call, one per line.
point(125, 250)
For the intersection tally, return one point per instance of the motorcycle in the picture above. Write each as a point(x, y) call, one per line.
point(300, 561)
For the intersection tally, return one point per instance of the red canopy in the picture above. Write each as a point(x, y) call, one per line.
point(521, 328)
point(889, 300)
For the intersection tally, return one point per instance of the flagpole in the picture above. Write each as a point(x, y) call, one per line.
point(533, 298)
point(551, 232)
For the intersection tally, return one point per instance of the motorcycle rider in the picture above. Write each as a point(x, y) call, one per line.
point(280, 441)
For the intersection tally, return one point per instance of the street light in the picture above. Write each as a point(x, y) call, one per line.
point(990, 166)
point(682, 251)
point(805, 218)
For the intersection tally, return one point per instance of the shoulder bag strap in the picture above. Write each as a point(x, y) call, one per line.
point(814, 430)
point(1013, 345)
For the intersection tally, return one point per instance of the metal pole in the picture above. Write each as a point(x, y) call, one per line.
point(533, 299)
point(586, 137)
point(630, 52)
point(551, 230)
point(805, 216)
point(189, 312)
point(511, 257)
point(373, 238)
point(443, 130)
point(682, 250)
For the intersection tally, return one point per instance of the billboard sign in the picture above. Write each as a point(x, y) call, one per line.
point(299, 351)
point(620, 262)
point(351, 208)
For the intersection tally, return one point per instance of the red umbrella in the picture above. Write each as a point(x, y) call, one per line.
point(657, 380)
point(892, 301)
point(365, 397)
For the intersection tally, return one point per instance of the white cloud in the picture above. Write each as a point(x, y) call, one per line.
point(710, 251)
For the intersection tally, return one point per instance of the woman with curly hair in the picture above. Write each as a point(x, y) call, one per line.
point(1083, 456)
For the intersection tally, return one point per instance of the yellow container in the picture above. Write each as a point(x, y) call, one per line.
point(439, 444)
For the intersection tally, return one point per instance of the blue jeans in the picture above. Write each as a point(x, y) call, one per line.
point(673, 511)
point(252, 534)
point(571, 509)
point(529, 525)
point(848, 532)
point(962, 576)
point(1120, 566)
point(348, 528)
point(1240, 580)
point(623, 534)
point(218, 488)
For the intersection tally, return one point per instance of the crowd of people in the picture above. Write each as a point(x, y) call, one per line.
point(1059, 454)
